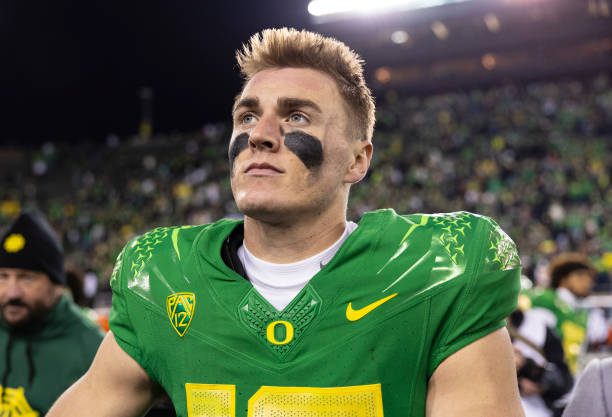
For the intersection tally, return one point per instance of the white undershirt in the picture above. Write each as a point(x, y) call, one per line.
point(280, 283)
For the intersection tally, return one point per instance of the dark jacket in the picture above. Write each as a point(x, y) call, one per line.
point(39, 362)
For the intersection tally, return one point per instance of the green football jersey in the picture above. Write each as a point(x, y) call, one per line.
point(362, 338)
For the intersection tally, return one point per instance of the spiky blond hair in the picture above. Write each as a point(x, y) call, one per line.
point(288, 47)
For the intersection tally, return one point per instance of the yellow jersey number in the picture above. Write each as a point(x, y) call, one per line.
point(215, 400)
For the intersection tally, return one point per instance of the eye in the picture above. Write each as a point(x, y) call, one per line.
point(28, 278)
point(247, 118)
point(297, 117)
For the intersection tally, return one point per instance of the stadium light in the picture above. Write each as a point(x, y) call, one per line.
point(400, 37)
point(330, 7)
point(492, 22)
point(440, 30)
point(383, 75)
point(488, 62)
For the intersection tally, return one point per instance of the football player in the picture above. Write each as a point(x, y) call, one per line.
point(294, 310)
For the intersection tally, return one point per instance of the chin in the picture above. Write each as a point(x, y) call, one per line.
point(259, 211)
point(251, 201)
point(270, 211)
point(16, 321)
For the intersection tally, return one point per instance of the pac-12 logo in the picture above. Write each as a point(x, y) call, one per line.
point(180, 307)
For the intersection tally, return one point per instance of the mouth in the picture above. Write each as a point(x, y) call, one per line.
point(262, 169)
point(11, 309)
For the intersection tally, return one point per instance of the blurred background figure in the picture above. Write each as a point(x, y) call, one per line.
point(553, 329)
point(45, 340)
point(543, 375)
point(572, 277)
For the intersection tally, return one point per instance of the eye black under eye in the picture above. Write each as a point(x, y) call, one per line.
point(307, 147)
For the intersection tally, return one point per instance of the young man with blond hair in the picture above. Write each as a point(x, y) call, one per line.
point(295, 310)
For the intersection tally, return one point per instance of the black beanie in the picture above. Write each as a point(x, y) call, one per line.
point(30, 243)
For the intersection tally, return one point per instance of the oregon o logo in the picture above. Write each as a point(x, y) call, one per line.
point(279, 332)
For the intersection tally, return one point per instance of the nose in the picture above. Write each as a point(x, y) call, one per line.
point(12, 289)
point(266, 135)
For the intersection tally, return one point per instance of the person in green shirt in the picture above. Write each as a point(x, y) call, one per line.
point(46, 344)
point(295, 310)
point(572, 277)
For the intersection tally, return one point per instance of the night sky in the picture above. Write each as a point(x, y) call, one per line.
point(71, 70)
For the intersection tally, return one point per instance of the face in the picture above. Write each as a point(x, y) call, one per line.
point(579, 282)
point(25, 295)
point(290, 154)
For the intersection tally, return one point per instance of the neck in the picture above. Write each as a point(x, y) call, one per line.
point(293, 241)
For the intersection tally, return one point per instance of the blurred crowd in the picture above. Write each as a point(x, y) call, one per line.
point(535, 157)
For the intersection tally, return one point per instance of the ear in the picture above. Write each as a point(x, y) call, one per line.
point(362, 156)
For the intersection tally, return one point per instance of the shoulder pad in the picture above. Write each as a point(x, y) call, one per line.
point(500, 253)
point(143, 246)
point(453, 231)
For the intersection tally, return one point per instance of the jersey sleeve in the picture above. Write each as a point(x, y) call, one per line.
point(488, 295)
point(119, 318)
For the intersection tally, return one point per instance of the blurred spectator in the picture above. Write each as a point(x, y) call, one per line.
point(571, 279)
point(542, 372)
point(47, 343)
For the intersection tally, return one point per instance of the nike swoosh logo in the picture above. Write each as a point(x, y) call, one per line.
point(354, 315)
